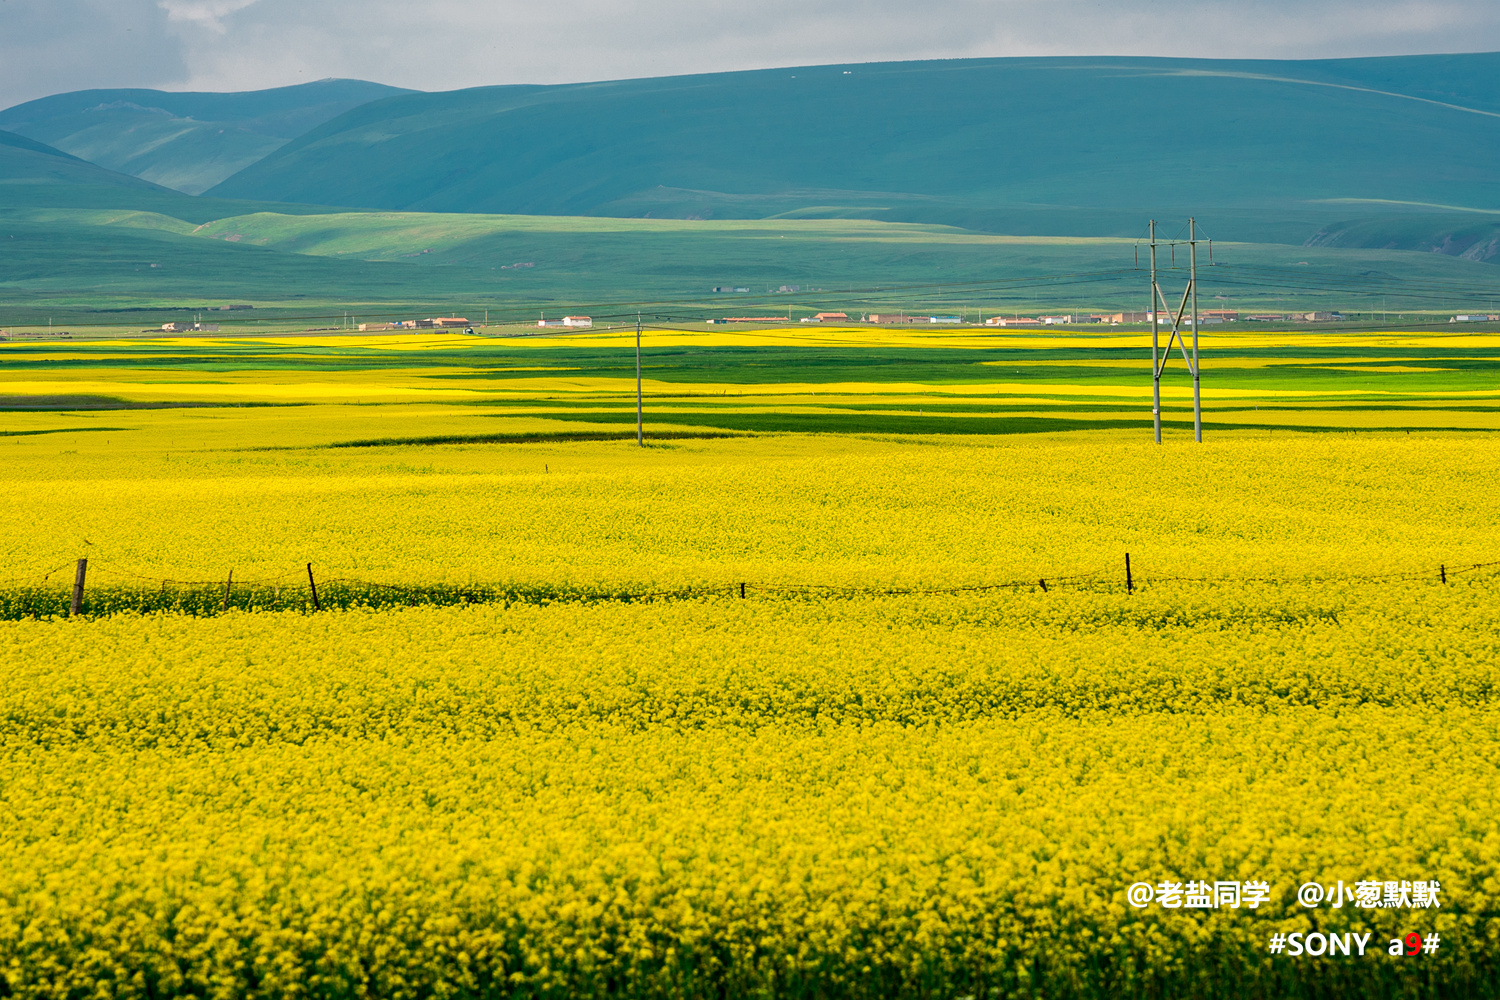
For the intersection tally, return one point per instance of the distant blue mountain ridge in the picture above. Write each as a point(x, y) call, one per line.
point(1395, 152)
point(185, 141)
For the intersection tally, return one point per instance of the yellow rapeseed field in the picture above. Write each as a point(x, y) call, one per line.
point(930, 752)
point(866, 797)
point(771, 510)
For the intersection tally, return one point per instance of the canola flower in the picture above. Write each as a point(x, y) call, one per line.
point(805, 792)
point(867, 797)
point(790, 509)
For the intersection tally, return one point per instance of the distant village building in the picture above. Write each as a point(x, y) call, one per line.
point(190, 327)
point(945, 319)
point(581, 322)
point(729, 288)
point(432, 323)
point(1165, 319)
point(826, 317)
point(1476, 318)
point(1056, 320)
point(1012, 321)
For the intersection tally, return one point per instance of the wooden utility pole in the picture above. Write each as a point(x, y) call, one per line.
point(640, 426)
point(1193, 284)
point(313, 586)
point(77, 607)
point(1155, 318)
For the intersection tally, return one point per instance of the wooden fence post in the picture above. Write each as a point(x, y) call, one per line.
point(227, 585)
point(83, 568)
point(313, 584)
point(1129, 583)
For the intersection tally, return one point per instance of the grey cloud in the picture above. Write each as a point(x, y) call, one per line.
point(50, 46)
point(445, 44)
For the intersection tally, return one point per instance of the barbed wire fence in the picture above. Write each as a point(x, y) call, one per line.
point(44, 593)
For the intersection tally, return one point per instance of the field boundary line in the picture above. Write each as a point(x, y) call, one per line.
point(39, 595)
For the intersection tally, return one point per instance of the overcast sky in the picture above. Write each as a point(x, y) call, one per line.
point(50, 46)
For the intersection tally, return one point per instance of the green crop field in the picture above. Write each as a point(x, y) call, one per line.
point(832, 380)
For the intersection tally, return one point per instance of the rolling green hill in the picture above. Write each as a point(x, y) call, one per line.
point(955, 187)
point(33, 174)
point(1475, 236)
point(185, 141)
point(1262, 150)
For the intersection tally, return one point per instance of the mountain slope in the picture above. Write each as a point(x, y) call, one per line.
point(35, 176)
point(1266, 149)
point(185, 141)
point(33, 173)
point(1472, 236)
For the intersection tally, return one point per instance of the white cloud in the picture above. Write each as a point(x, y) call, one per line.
point(206, 14)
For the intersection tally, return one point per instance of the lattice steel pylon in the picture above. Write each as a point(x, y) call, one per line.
point(1158, 304)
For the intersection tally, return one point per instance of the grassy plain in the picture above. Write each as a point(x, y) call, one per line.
point(88, 268)
point(858, 779)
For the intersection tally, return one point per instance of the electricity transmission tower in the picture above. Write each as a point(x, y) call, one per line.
point(1158, 305)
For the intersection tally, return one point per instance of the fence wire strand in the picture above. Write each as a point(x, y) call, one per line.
point(212, 595)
